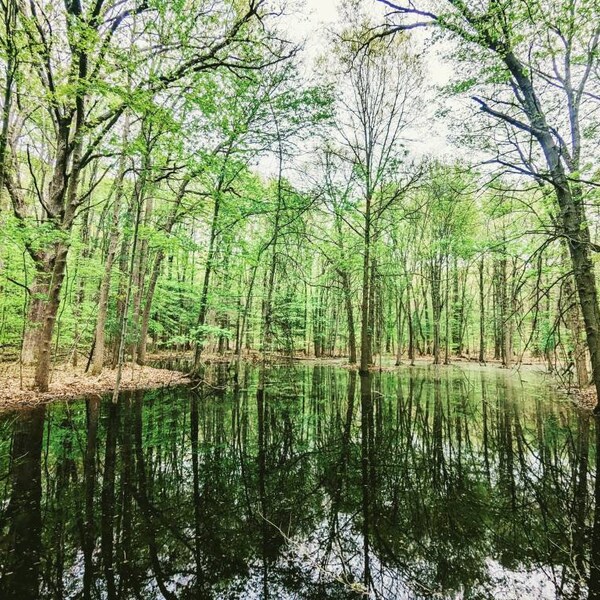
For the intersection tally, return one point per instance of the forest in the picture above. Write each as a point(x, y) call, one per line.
point(190, 178)
point(299, 299)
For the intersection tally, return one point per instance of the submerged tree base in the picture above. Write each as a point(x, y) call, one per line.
point(67, 382)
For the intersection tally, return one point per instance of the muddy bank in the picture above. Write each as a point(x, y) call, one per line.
point(68, 383)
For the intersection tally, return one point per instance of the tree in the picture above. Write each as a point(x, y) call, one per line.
point(83, 84)
point(383, 82)
point(539, 65)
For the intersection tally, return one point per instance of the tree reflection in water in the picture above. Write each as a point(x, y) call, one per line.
point(305, 482)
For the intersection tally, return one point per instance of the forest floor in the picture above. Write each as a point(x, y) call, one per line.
point(585, 398)
point(68, 382)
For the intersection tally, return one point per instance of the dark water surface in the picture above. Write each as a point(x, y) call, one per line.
point(305, 482)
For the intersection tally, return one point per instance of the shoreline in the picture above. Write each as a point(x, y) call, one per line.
point(581, 399)
point(72, 383)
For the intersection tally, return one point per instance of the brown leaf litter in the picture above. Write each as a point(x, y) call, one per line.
point(68, 382)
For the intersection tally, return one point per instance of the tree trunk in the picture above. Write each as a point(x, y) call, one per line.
point(365, 334)
point(505, 316)
point(496, 304)
point(349, 316)
point(457, 311)
point(447, 332)
point(80, 294)
point(317, 326)
point(572, 211)
point(160, 255)
point(206, 283)
point(121, 289)
point(247, 306)
point(400, 326)
point(481, 314)
point(372, 311)
point(267, 316)
point(123, 323)
point(10, 59)
point(100, 337)
point(45, 290)
point(129, 264)
point(436, 304)
point(139, 277)
point(411, 332)
point(588, 297)
point(145, 321)
point(38, 293)
point(572, 319)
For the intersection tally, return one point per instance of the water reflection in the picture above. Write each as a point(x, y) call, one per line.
point(22, 519)
point(303, 483)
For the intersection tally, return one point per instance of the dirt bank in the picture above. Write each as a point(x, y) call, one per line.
point(68, 383)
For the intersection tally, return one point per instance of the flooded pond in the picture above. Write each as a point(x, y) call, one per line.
point(303, 482)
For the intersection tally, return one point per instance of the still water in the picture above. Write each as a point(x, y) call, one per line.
point(303, 482)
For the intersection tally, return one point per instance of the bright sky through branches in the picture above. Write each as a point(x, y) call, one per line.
point(314, 23)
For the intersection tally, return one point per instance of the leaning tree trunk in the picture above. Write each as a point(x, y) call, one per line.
point(576, 231)
point(583, 274)
point(572, 318)
point(570, 202)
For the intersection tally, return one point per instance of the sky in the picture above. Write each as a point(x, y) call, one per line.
point(322, 16)
point(311, 22)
